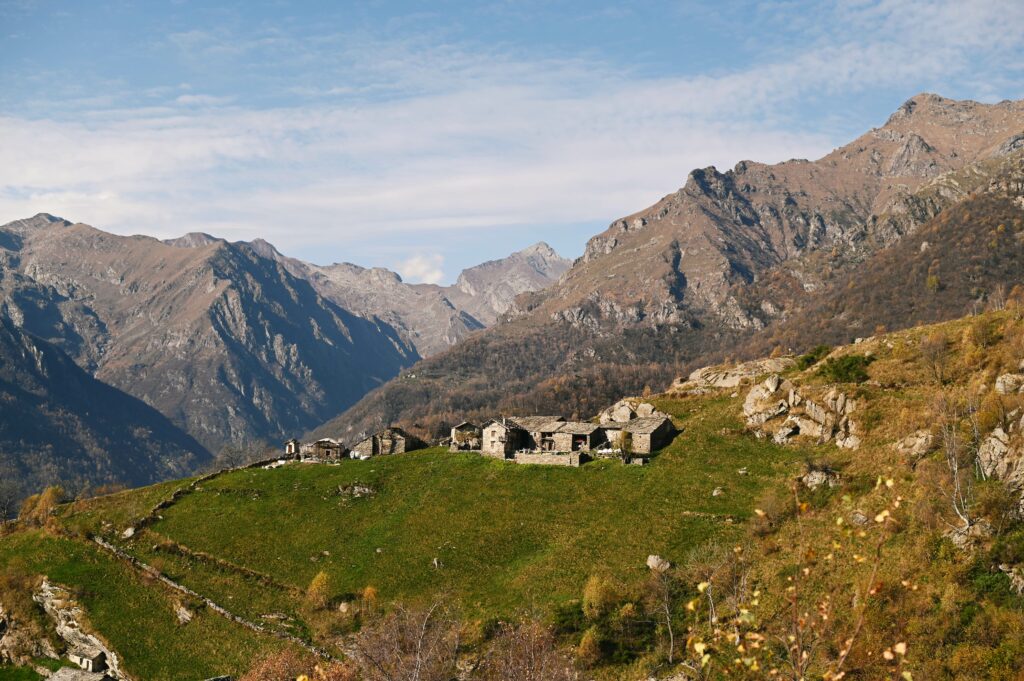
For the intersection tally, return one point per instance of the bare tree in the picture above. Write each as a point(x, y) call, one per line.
point(935, 352)
point(960, 452)
point(526, 651)
point(409, 645)
point(10, 495)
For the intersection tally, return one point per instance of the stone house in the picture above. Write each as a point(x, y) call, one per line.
point(466, 437)
point(291, 447)
point(324, 449)
point(89, 659)
point(641, 435)
point(502, 438)
point(577, 436)
point(388, 441)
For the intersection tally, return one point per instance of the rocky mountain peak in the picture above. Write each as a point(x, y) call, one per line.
point(193, 240)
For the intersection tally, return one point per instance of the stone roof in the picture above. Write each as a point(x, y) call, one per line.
point(466, 424)
point(578, 427)
point(536, 424)
point(645, 425)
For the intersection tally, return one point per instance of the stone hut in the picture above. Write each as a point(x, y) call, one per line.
point(466, 437)
point(90, 660)
point(388, 441)
point(577, 436)
point(323, 449)
point(644, 435)
point(540, 431)
point(502, 438)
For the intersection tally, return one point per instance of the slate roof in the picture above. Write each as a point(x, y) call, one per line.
point(647, 424)
point(578, 427)
point(536, 424)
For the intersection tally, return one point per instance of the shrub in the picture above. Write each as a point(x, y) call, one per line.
point(589, 651)
point(808, 360)
point(599, 595)
point(847, 369)
point(318, 594)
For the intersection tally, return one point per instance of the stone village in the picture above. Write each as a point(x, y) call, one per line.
point(630, 429)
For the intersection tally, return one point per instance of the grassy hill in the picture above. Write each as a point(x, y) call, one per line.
point(852, 573)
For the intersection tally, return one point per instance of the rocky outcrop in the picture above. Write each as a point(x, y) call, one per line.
point(915, 445)
point(628, 409)
point(731, 376)
point(67, 618)
point(777, 408)
point(18, 645)
point(1008, 384)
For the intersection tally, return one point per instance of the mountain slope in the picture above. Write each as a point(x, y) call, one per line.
point(226, 343)
point(58, 425)
point(701, 271)
point(752, 516)
point(430, 317)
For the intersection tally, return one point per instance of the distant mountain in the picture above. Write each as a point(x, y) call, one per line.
point(58, 425)
point(234, 342)
point(227, 344)
point(429, 317)
point(706, 269)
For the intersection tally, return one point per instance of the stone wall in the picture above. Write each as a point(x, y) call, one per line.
point(574, 459)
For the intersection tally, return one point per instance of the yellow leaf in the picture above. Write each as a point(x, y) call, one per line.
point(908, 676)
point(703, 586)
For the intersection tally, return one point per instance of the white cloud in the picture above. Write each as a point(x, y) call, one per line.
point(422, 269)
point(469, 138)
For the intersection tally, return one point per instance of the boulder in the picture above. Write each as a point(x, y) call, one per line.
point(1009, 384)
point(916, 445)
point(658, 564)
point(816, 478)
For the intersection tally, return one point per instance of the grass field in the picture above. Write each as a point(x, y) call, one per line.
point(506, 537)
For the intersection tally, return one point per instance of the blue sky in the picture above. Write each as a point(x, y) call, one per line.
point(429, 136)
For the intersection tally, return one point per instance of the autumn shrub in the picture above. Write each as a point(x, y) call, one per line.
point(36, 509)
point(599, 595)
point(809, 359)
point(846, 369)
point(588, 652)
point(318, 593)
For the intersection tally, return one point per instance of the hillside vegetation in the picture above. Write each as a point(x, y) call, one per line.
point(899, 558)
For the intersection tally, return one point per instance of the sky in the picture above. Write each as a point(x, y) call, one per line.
point(430, 136)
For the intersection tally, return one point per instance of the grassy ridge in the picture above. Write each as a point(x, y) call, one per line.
point(505, 535)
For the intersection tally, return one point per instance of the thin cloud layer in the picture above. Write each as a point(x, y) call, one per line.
point(424, 138)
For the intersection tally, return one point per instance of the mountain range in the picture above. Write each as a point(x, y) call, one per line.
point(234, 343)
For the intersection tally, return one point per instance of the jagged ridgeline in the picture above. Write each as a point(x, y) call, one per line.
point(860, 505)
point(912, 222)
point(234, 344)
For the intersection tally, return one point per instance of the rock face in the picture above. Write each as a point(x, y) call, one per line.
point(58, 425)
point(429, 317)
point(825, 418)
point(226, 343)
